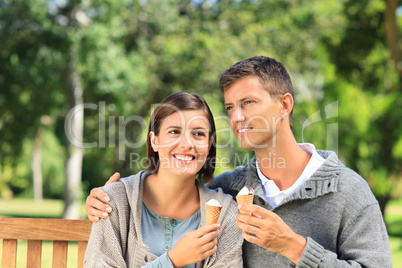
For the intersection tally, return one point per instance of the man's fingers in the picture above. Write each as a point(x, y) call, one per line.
point(256, 210)
point(115, 177)
point(96, 204)
point(93, 213)
point(252, 239)
point(97, 193)
point(250, 228)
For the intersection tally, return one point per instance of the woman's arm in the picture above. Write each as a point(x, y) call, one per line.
point(108, 235)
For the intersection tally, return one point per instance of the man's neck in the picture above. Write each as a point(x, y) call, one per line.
point(283, 163)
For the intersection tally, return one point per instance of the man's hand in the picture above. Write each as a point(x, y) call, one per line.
point(95, 205)
point(195, 246)
point(266, 229)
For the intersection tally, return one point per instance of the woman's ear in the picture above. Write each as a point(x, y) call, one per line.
point(287, 105)
point(154, 141)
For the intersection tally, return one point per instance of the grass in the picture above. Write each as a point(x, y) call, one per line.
point(28, 208)
point(393, 219)
point(54, 208)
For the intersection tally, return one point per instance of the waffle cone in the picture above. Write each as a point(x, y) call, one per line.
point(244, 199)
point(212, 214)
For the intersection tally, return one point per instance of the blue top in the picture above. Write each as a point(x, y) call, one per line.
point(160, 235)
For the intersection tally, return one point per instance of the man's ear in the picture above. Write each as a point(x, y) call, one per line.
point(287, 103)
point(154, 141)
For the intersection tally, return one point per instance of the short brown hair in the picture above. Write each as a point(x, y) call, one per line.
point(174, 103)
point(272, 75)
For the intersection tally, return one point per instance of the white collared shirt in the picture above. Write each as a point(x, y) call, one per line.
point(273, 195)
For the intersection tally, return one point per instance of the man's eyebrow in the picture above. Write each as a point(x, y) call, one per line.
point(241, 100)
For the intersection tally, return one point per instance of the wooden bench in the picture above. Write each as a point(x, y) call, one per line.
point(35, 231)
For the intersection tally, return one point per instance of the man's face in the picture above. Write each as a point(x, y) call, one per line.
point(254, 116)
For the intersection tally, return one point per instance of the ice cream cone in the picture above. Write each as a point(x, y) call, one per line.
point(212, 214)
point(245, 199)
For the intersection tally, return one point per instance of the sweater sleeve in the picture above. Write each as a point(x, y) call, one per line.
point(162, 261)
point(230, 240)
point(362, 243)
point(107, 242)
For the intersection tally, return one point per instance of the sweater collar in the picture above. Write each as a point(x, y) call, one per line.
point(323, 181)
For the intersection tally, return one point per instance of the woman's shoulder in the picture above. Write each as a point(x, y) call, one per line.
point(125, 186)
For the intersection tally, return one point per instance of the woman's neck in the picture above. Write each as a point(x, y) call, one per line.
point(172, 196)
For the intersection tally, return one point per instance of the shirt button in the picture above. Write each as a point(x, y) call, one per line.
point(167, 239)
point(167, 247)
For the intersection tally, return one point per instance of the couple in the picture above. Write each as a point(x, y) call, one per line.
point(311, 211)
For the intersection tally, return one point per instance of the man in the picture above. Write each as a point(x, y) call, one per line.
point(309, 210)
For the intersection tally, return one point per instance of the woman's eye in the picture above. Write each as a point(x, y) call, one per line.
point(201, 134)
point(174, 132)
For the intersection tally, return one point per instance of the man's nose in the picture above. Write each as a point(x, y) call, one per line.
point(237, 115)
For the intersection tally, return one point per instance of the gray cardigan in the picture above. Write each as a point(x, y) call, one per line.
point(335, 210)
point(117, 240)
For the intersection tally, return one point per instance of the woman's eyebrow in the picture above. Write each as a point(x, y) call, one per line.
point(176, 127)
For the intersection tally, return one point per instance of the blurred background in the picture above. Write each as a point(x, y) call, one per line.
point(78, 80)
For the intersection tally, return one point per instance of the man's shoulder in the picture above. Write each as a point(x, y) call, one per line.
point(351, 183)
point(229, 181)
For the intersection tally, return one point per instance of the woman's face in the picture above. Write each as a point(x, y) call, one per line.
point(183, 142)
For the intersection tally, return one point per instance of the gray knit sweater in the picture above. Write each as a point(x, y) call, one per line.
point(117, 240)
point(335, 210)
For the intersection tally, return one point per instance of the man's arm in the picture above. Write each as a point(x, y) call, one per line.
point(96, 205)
point(363, 243)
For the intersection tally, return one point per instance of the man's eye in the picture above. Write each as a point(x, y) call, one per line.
point(248, 102)
point(229, 108)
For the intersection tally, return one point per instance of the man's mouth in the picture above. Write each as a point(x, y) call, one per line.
point(243, 130)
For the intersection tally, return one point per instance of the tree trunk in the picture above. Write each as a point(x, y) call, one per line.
point(74, 126)
point(392, 34)
point(37, 166)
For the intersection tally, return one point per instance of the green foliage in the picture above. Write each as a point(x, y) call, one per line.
point(132, 54)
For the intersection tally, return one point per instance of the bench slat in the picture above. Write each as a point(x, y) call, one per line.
point(34, 253)
point(9, 257)
point(60, 254)
point(45, 229)
point(82, 246)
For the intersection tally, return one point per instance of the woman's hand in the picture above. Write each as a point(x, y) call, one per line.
point(195, 246)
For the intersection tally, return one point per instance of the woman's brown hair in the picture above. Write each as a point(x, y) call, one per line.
point(174, 103)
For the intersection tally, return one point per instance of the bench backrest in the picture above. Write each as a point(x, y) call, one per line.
point(34, 231)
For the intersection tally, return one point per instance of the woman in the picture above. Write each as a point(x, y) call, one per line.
point(158, 217)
